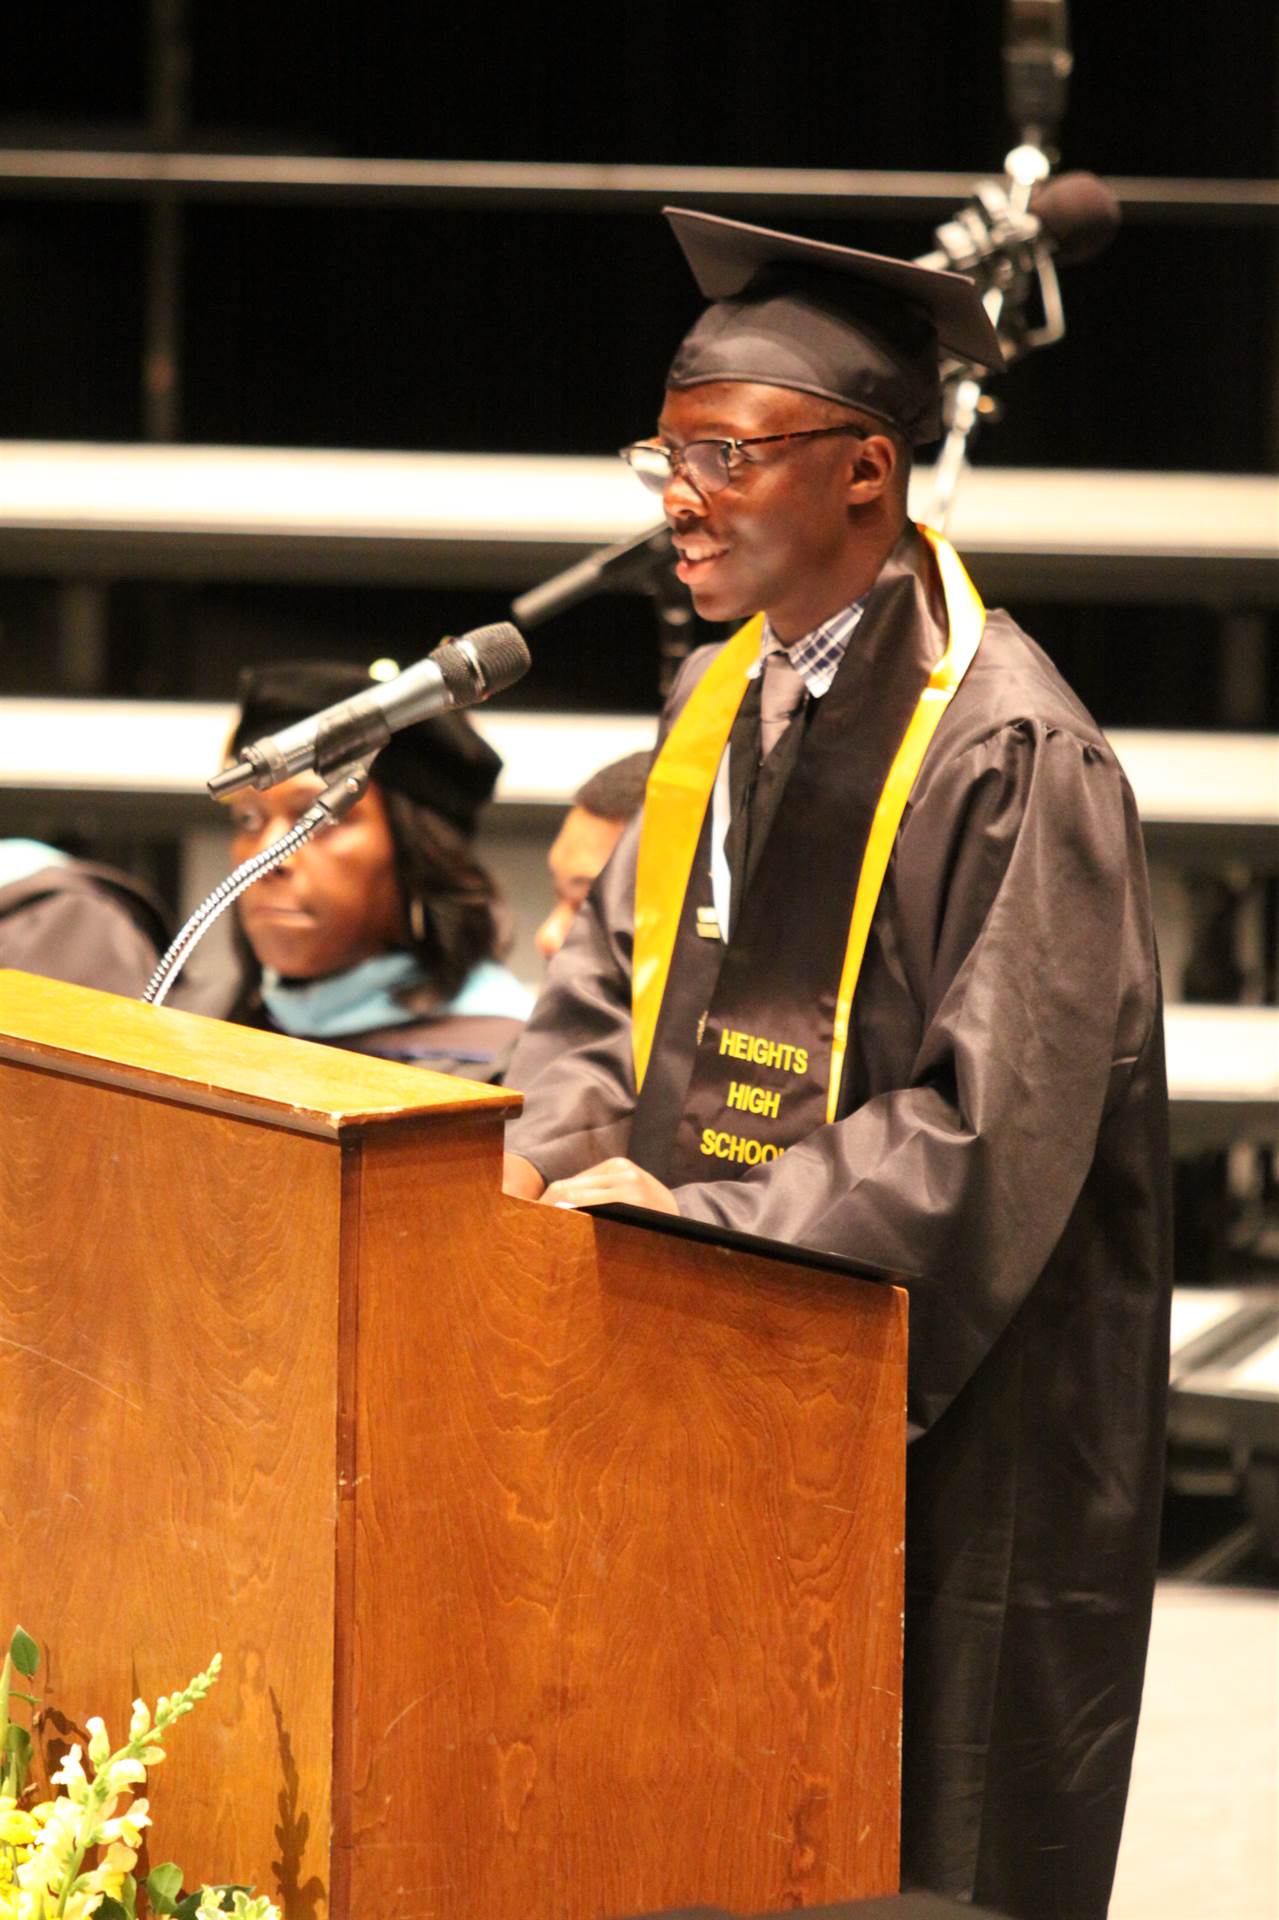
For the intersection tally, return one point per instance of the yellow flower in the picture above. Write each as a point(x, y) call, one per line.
point(108, 1877)
point(81, 1905)
point(243, 1906)
point(17, 1827)
point(128, 1827)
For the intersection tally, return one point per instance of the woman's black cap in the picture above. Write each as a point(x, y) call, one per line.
point(441, 762)
point(857, 328)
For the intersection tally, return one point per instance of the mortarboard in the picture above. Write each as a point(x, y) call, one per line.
point(441, 761)
point(854, 327)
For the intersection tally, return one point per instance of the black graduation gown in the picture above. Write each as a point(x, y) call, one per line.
point(84, 923)
point(1003, 1134)
point(474, 1046)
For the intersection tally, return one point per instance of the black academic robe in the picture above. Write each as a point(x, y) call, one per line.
point(83, 923)
point(1003, 1135)
point(474, 1046)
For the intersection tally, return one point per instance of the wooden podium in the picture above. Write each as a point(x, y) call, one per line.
point(556, 1564)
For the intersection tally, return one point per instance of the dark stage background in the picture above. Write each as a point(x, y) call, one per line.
point(548, 331)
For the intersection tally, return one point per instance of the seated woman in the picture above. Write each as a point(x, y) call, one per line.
point(383, 933)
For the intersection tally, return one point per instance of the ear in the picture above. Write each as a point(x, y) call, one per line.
point(872, 469)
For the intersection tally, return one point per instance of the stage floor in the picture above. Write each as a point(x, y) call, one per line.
point(1201, 1841)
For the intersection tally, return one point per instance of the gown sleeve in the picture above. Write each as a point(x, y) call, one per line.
point(575, 1052)
point(80, 934)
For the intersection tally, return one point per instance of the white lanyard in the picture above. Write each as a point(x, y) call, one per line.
point(721, 813)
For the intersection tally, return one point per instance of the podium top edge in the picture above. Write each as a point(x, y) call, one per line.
point(291, 1084)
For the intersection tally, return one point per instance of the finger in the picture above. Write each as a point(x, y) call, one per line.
point(581, 1191)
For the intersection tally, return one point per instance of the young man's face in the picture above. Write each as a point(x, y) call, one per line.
point(337, 901)
point(780, 537)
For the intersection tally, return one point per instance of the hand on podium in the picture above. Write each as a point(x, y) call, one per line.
point(611, 1182)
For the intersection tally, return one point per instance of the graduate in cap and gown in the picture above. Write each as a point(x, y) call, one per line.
point(384, 933)
point(874, 973)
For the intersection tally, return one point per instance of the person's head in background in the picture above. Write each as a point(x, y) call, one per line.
point(388, 915)
point(581, 849)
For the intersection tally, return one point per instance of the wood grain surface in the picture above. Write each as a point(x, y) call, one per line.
point(556, 1564)
point(199, 1062)
point(168, 1352)
point(627, 1608)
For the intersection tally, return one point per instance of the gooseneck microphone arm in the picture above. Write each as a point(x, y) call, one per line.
point(324, 811)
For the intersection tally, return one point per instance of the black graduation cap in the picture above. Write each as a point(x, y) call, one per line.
point(854, 327)
point(440, 762)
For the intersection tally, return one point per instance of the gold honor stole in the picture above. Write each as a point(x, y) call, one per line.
point(679, 790)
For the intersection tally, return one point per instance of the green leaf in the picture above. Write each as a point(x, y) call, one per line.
point(188, 1909)
point(125, 1909)
point(164, 1888)
point(24, 1651)
point(17, 1741)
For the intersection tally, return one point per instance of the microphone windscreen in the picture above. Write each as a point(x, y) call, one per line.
point(502, 655)
point(1081, 214)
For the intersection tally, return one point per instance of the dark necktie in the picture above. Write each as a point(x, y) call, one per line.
point(781, 696)
point(771, 702)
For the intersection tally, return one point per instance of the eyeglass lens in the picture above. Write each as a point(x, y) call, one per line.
point(703, 462)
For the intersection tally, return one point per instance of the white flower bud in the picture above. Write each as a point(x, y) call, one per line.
point(71, 1776)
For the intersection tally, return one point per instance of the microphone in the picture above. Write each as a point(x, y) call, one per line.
point(459, 673)
point(1079, 215)
point(1074, 216)
point(1010, 236)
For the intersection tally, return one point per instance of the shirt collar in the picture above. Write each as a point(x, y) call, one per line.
point(817, 655)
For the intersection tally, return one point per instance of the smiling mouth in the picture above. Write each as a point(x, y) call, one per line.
point(696, 557)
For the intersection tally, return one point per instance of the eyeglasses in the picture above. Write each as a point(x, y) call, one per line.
point(707, 465)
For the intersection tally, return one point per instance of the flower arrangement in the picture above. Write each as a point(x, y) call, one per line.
point(44, 1848)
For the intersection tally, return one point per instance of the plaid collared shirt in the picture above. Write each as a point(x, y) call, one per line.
point(816, 657)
